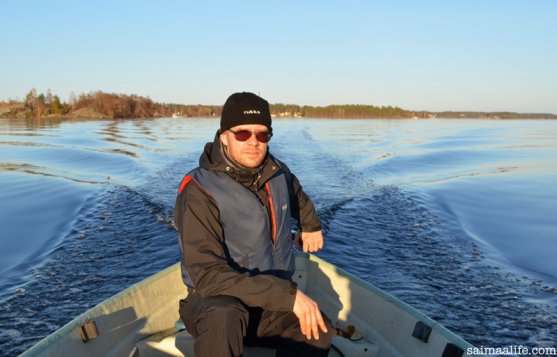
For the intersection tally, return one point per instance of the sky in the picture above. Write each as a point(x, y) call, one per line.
point(474, 55)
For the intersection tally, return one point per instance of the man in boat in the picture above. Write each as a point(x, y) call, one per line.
point(233, 214)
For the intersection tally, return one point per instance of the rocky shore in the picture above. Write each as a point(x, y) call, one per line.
point(12, 111)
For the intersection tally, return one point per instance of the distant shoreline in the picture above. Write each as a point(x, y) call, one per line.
point(18, 111)
point(99, 105)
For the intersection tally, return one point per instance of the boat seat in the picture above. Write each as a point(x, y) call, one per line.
point(180, 344)
point(177, 342)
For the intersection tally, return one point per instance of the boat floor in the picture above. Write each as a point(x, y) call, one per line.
point(180, 344)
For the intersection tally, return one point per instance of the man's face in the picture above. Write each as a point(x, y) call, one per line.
point(249, 153)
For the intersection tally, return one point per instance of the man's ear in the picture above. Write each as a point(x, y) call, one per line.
point(223, 138)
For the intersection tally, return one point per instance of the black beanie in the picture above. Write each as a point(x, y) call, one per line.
point(245, 108)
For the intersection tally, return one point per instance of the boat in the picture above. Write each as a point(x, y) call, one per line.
point(143, 320)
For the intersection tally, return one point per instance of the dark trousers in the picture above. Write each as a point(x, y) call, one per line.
point(221, 325)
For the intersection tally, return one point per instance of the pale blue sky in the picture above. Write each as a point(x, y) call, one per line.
point(480, 55)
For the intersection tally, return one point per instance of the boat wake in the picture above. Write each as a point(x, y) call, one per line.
point(392, 237)
point(108, 248)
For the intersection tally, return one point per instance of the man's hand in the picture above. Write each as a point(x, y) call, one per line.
point(307, 312)
point(309, 241)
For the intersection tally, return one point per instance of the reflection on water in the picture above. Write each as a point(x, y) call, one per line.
point(33, 123)
point(456, 217)
point(42, 171)
point(25, 143)
point(120, 151)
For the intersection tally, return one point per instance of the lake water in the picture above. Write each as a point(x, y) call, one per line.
point(455, 217)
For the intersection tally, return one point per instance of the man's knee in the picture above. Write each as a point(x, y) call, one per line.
point(217, 323)
point(222, 313)
point(227, 311)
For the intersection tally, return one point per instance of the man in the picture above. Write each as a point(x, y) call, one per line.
point(233, 214)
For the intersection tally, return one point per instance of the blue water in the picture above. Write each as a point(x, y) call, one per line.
point(455, 217)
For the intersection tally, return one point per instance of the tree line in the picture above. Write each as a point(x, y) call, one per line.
point(339, 111)
point(111, 105)
point(39, 105)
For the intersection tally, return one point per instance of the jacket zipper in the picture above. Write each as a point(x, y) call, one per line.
point(273, 217)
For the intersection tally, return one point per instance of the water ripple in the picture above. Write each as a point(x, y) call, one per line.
point(42, 171)
point(429, 245)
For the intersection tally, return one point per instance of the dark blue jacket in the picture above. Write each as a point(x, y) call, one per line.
point(256, 241)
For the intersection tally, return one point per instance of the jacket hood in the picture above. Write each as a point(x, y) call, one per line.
point(212, 158)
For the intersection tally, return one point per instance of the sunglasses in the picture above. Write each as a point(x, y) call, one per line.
point(244, 135)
